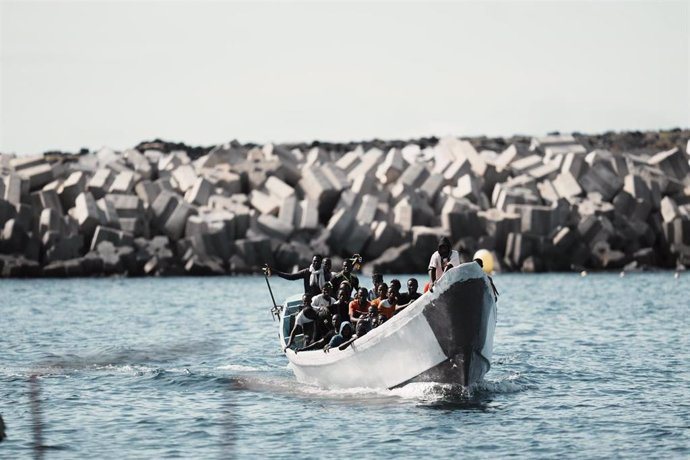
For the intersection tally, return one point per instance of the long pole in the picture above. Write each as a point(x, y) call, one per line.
point(275, 308)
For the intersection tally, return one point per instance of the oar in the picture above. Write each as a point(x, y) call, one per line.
point(275, 310)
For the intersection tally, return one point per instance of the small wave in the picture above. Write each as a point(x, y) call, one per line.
point(238, 368)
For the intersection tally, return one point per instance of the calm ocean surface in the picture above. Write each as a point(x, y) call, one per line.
point(593, 367)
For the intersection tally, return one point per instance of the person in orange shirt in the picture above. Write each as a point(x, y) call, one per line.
point(382, 293)
point(359, 306)
point(387, 307)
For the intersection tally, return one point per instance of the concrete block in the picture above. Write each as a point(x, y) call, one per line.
point(457, 169)
point(403, 215)
point(601, 179)
point(14, 238)
point(672, 162)
point(392, 167)
point(535, 220)
point(100, 183)
point(336, 176)
point(85, 212)
point(264, 203)
point(637, 187)
point(222, 177)
point(548, 192)
point(357, 238)
point(506, 157)
point(147, 191)
point(71, 187)
point(26, 162)
point(126, 205)
point(7, 212)
point(350, 160)
point(575, 165)
point(367, 165)
point(317, 156)
point(519, 247)
point(278, 188)
point(524, 165)
point(367, 209)
point(14, 187)
point(46, 199)
point(37, 176)
point(107, 213)
point(669, 209)
point(339, 227)
point(139, 163)
point(461, 224)
point(363, 185)
point(431, 187)
point(545, 171)
point(383, 236)
point(200, 192)
point(175, 224)
point(116, 237)
point(564, 239)
point(185, 176)
point(65, 249)
point(163, 206)
point(468, 187)
point(499, 224)
point(307, 214)
point(443, 157)
point(317, 186)
point(123, 183)
point(288, 210)
point(566, 185)
point(414, 176)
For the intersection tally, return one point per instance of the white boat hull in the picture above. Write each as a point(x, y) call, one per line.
point(445, 336)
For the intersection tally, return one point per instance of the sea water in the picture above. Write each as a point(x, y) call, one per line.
point(583, 367)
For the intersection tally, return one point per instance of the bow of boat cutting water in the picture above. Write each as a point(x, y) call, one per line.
point(151, 368)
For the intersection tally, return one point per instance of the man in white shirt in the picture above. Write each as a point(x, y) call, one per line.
point(323, 300)
point(442, 260)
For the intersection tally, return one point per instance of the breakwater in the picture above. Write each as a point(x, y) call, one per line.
point(550, 203)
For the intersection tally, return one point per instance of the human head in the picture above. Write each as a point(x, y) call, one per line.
point(326, 289)
point(412, 285)
point(347, 287)
point(335, 321)
point(444, 247)
point(362, 293)
point(316, 261)
point(382, 290)
point(346, 330)
point(376, 279)
point(306, 300)
point(343, 294)
point(393, 297)
point(395, 285)
point(373, 311)
point(347, 265)
point(327, 264)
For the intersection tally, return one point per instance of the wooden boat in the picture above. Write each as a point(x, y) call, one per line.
point(445, 336)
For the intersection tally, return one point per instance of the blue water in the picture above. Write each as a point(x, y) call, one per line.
point(584, 367)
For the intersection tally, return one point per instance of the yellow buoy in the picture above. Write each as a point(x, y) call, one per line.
point(487, 260)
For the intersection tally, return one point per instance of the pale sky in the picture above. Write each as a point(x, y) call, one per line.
point(78, 74)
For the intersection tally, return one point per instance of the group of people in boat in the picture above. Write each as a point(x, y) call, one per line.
point(336, 310)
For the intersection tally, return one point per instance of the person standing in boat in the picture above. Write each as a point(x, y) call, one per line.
point(312, 276)
point(442, 260)
point(346, 273)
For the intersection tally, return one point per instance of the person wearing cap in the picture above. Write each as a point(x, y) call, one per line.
point(346, 275)
point(442, 260)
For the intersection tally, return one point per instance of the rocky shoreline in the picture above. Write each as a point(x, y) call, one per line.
point(614, 201)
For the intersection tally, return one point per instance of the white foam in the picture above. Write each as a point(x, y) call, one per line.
point(237, 368)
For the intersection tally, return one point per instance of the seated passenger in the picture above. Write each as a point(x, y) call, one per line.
point(364, 325)
point(410, 296)
point(343, 336)
point(323, 300)
point(304, 322)
point(326, 338)
point(376, 280)
point(395, 286)
point(359, 306)
point(347, 288)
point(342, 306)
point(382, 294)
point(388, 306)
